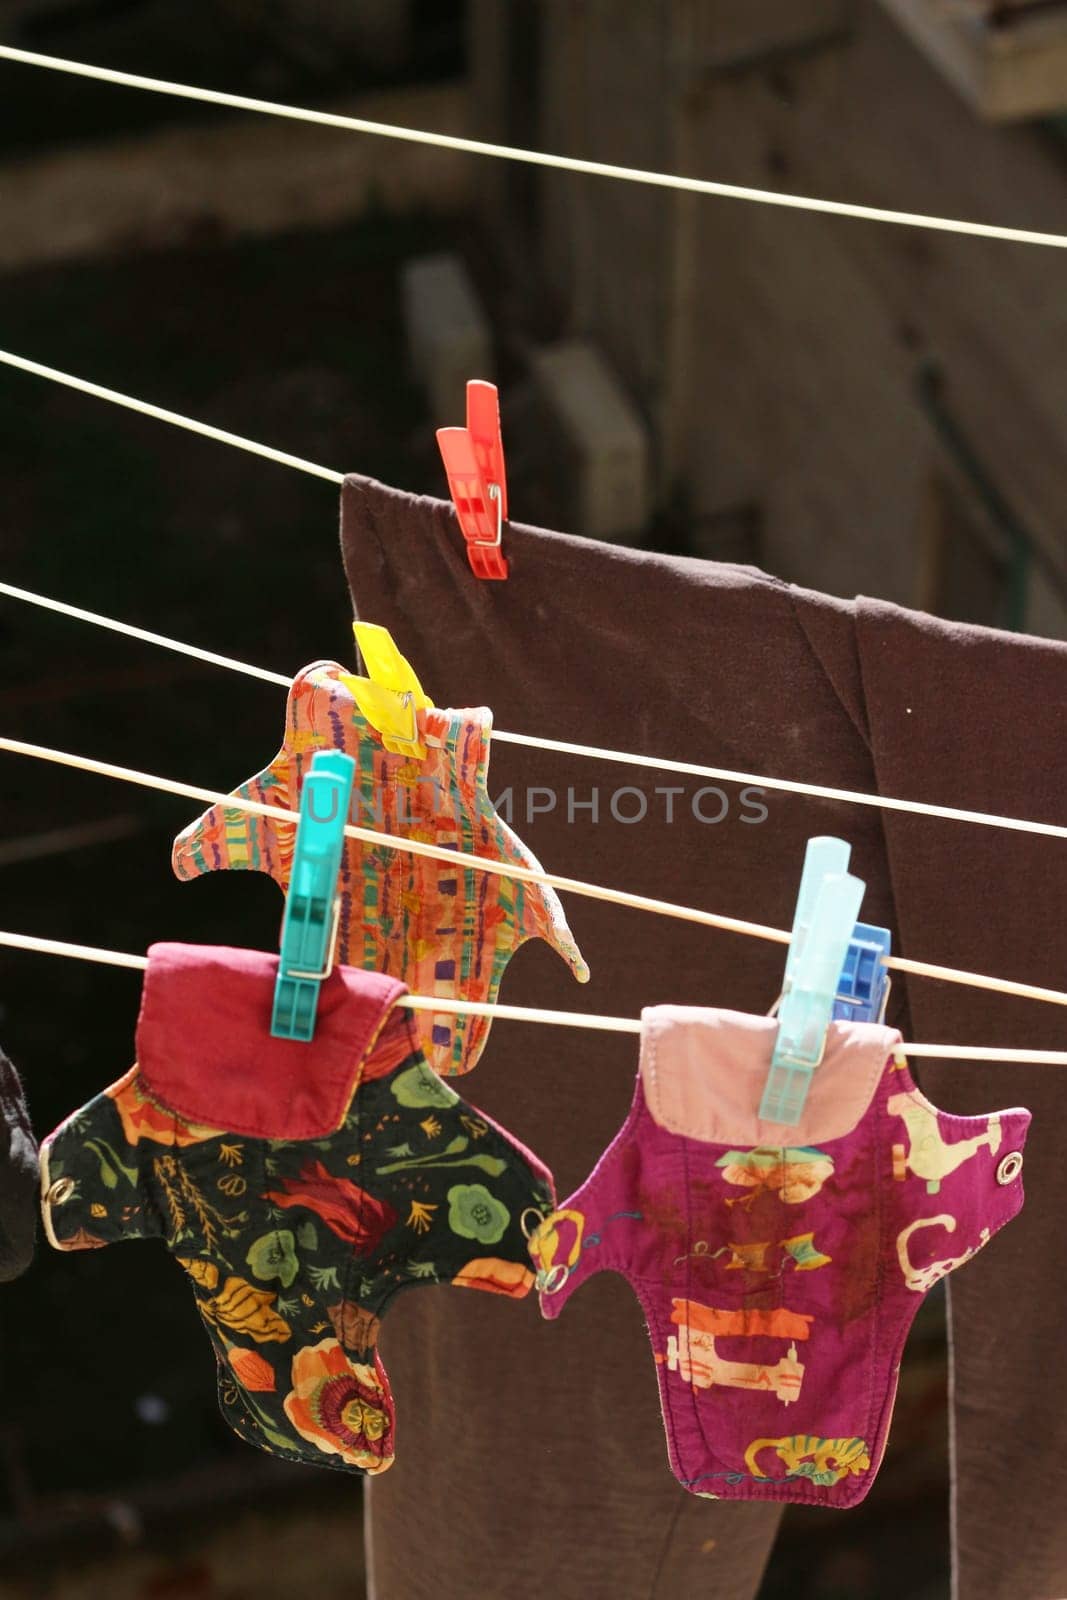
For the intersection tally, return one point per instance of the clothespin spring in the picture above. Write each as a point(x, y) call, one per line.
point(331, 954)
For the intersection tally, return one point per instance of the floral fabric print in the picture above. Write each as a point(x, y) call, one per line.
point(442, 930)
point(295, 1247)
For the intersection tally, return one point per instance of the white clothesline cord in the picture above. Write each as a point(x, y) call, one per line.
point(494, 1009)
point(454, 858)
point(160, 639)
point(417, 1002)
point(789, 786)
point(220, 434)
point(623, 757)
point(537, 158)
point(592, 891)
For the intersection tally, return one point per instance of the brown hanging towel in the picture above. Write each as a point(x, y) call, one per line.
point(726, 666)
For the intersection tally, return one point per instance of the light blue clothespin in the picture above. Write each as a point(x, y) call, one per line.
point(823, 925)
point(863, 988)
point(313, 906)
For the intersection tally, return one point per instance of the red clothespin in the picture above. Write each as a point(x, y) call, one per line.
point(474, 462)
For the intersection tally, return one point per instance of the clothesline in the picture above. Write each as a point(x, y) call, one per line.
point(285, 458)
point(161, 415)
point(623, 757)
point(592, 891)
point(537, 158)
point(506, 1013)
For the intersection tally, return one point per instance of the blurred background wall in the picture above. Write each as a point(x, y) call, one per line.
point(854, 407)
point(861, 408)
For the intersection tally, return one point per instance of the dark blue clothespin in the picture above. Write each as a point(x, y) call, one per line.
point(863, 989)
point(313, 906)
point(823, 927)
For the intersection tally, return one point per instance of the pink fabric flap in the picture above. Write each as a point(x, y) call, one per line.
point(205, 1048)
point(704, 1070)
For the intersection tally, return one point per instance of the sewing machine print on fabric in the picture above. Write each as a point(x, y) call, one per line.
point(779, 1269)
point(441, 930)
point(301, 1187)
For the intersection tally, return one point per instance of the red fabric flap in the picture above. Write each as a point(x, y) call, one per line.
point(205, 1048)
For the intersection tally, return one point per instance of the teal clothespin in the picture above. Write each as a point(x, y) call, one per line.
point(313, 906)
point(823, 925)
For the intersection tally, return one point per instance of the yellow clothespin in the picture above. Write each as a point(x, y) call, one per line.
point(391, 697)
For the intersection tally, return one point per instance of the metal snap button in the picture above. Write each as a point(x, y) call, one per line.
point(1010, 1167)
point(59, 1191)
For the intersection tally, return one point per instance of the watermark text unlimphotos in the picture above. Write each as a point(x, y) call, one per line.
point(593, 806)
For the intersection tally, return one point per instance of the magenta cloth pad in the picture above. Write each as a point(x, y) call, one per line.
point(779, 1268)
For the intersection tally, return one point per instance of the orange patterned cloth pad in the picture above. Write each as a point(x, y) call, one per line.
point(442, 930)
